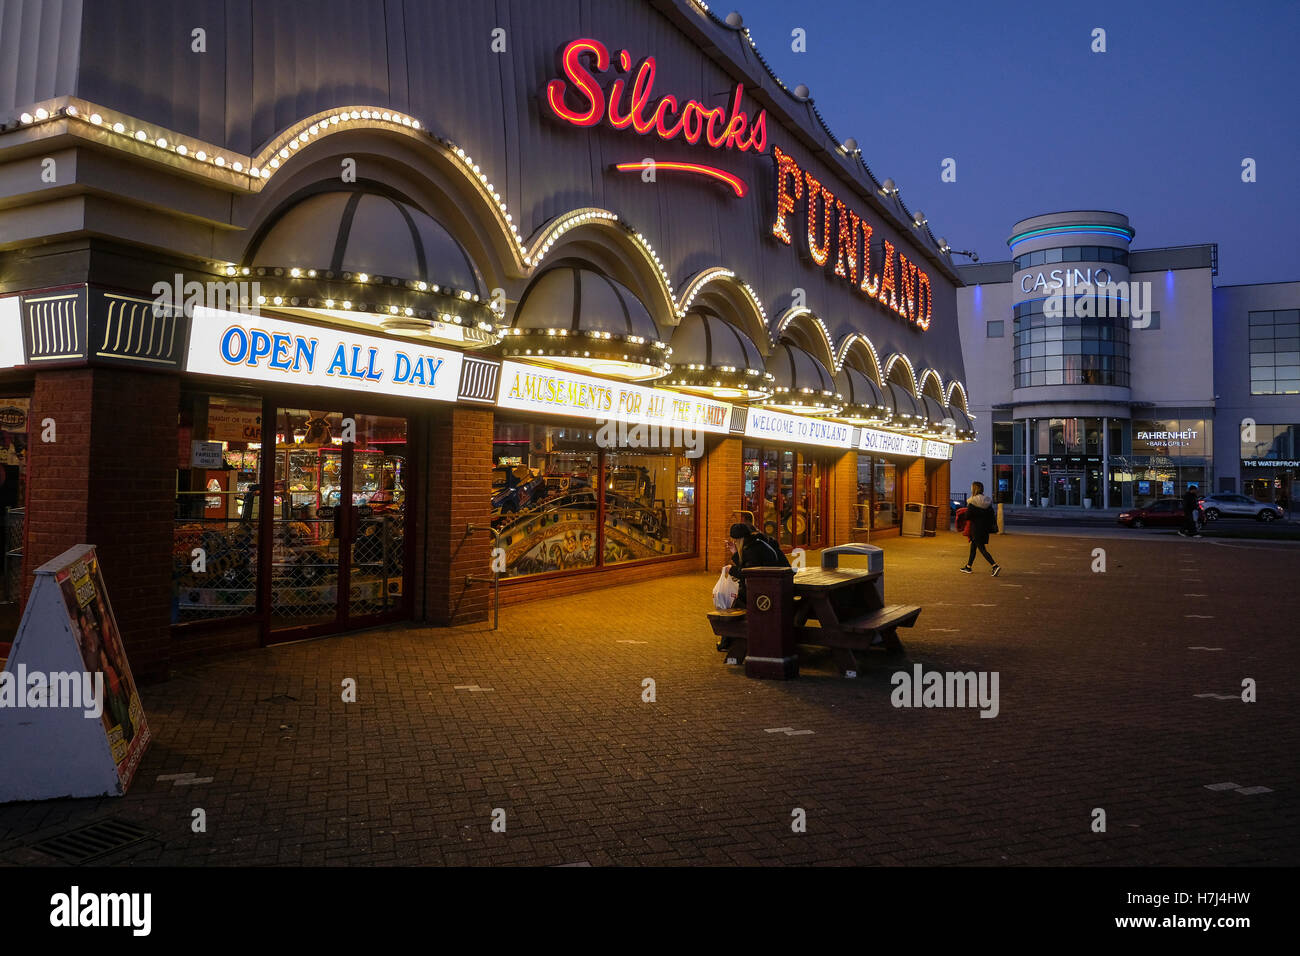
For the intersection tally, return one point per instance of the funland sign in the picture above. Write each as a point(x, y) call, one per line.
point(603, 87)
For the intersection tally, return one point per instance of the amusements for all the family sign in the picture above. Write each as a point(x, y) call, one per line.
point(71, 722)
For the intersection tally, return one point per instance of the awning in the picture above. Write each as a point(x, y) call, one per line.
point(713, 357)
point(863, 400)
point(370, 260)
point(801, 383)
point(575, 317)
point(904, 408)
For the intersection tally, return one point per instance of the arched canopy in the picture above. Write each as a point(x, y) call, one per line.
point(575, 316)
point(863, 399)
point(366, 256)
point(801, 383)
point(714, 357)
point(800, 327)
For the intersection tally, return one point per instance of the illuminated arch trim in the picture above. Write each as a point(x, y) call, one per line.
point(788, 318)
point(911, 372)
point(841, 356)
point(957, 388)
point(927, 374)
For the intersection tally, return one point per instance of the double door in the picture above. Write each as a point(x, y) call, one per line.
point(785, 493)
point(336, 529)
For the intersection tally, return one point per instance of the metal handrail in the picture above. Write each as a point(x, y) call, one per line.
point(495, 579)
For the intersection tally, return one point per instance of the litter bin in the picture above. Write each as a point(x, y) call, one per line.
point(931, 520)
point(913, 519)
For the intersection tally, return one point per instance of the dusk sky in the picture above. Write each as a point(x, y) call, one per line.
point(1155, 128)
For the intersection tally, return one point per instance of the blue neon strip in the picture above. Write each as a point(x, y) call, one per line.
point(1118, 233)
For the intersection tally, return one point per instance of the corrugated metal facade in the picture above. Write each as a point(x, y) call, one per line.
point(270, 64)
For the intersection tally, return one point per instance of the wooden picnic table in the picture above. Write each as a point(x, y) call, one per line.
point(851, 614)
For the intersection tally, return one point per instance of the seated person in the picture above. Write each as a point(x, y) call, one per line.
point(749, 548)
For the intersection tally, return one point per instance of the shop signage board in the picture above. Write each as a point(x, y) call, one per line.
point(230, 423)
point(71, 722)
point(1269, 463)
point(778, 426)
point(205, 454)
point(237, 345)
point(11, 332)
point(532, 388)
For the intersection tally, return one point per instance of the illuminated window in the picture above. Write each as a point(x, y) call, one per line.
point(1275, 352)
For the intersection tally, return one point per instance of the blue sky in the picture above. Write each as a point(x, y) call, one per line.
point(1156, 127)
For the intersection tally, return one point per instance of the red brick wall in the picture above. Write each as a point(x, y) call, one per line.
point(941, 493)
point(457, 485)
point(843, 499)
point(720, 490)
point(523, 590)
point(190, 643)
point(109, 479)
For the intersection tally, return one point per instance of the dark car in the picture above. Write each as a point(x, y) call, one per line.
point(1167, 512)
point(1238, 506)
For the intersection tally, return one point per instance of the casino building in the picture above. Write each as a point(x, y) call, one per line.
point(321, 316)
point(1111, 376)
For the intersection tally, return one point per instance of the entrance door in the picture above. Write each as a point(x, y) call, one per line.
point(1065, 488)
point(337, 522)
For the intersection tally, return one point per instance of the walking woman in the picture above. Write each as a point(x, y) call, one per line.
point(982, 521)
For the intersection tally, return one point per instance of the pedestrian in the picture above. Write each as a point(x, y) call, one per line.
point(749, 548)
point(981, 519)
point(1189, 529)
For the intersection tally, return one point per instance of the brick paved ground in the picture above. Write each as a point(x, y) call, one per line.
point(1098, 709)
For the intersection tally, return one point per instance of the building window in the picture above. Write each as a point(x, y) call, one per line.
point(783, 490)
point(879, 493)
point(554, 511)
point(1275, 352)
point(14, 411)
point(218, 501)
point(993, 330)
point(1070, 254)
point(1070, 349)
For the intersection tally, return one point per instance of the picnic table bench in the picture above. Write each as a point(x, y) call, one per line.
point(842, 609)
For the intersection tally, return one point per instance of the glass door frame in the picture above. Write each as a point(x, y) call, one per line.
point(798, 458)
point(344, 620)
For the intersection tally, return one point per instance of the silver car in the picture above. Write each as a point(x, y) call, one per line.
point(1219, 506)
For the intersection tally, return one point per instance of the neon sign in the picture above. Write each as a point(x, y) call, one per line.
point(582, 102)
point(905, 289)
point(735, 182)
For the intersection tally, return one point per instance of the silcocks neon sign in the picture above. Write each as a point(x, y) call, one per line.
point(580, 99)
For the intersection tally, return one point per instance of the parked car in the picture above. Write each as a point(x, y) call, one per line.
point(1238, 506)
point(1159, 514)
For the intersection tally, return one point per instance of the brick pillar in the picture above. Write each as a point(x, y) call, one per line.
point(722, 492)
point(109, 479)
point(941, 492)
point(844, 499)
point(457, 492)
point(913, 478)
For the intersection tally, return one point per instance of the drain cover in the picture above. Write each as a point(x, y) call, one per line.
point(92, 841)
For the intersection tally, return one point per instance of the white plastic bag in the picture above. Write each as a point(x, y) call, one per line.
point(725, 591)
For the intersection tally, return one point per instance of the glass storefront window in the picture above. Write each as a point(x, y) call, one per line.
point(554, 512)
point(338, 532)
point(218, 501)
point(14, 411)
point(649, 506)
point(784, 491)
